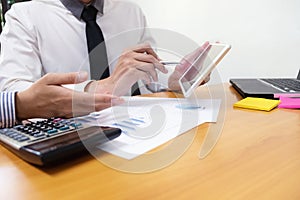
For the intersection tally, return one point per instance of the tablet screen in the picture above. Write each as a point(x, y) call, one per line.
point(201, 67)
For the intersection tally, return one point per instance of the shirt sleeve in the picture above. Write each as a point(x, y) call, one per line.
point(20, 63)
point(7, 109)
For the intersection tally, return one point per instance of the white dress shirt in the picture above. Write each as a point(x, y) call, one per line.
point(42, 36)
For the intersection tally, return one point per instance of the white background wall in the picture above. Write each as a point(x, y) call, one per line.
point(264, 34)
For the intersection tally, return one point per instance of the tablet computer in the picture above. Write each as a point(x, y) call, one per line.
point(202, 66)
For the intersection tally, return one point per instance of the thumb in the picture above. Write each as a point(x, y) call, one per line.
point(63, 78)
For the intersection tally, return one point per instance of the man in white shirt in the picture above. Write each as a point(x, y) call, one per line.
point(42, 36)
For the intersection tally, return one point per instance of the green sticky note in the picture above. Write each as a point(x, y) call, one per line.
point(257, 103)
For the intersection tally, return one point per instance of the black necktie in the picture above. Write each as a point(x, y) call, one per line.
point(97, 49)
point(96, 46)
point(135, 89)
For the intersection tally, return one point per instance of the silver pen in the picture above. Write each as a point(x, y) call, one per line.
point(169, 62)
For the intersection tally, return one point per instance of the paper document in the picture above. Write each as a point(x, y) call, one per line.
point(153, 122)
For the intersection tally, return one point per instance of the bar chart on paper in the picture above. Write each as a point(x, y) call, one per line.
point(148, 125)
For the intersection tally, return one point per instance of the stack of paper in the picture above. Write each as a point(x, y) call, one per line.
point(149, 122)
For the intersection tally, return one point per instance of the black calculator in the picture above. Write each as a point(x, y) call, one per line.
point(47, 141)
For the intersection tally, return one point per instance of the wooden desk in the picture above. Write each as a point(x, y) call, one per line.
point(257, 157)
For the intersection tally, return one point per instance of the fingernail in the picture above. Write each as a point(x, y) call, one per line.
point(82, 76)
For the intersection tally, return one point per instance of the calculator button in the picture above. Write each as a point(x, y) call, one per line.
point(19, 128)
point(76, 125)
point(35, 132)
point(38, 126)
point(58, 126)
point(17, 137)
point(48, 129)
point(25, 129)
point(52, 131)
point(12, 134)
point(64, 128)
point(39, 135)
point(23, 139)
point(49, 123)
point(57, 120)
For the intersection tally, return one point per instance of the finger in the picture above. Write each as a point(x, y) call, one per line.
point(63, 78)
point(87, 102)
point(107, 102)
point(137, 68)
point(87, 98)
point(145, 48)
point(190, 58)
point(106, 98)
point(145, 77)
point(149, 69)
point(103, 101)
point(151, 59)
point(205, 45)
point(138, 73)
point(144, 57)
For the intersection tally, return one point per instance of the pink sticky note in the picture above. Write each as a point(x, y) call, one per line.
point(287, 95)
point(287, 102)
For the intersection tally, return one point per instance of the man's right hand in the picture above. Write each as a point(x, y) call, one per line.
point(137, 63)
point(47, 98)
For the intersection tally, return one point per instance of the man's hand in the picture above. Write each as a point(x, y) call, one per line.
point(181, 68)
point(138, 63)
point(47, 98)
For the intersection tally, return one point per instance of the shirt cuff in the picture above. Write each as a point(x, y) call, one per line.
point(7, 109)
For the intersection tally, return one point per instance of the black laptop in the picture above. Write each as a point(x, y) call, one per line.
point(266, 87)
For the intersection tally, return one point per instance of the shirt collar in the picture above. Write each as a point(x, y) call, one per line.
point(76, 7)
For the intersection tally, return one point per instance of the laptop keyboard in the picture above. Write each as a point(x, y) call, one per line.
point(289, 85)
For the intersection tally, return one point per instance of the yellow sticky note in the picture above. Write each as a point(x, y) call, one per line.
point(257, 103)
